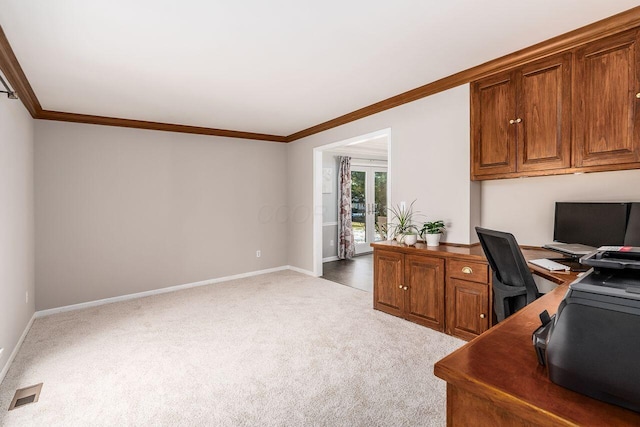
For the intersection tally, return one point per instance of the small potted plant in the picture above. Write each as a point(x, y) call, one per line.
point(402, 224)
point(432, 231)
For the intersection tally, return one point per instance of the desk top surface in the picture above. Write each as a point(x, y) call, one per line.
point(474, 252)
point(501, 365)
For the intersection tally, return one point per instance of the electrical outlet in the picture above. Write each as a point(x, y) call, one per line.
point(258, 254)
point(26, 298)
point(330, 242)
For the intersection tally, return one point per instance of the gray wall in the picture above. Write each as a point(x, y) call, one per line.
point(120, 211)
point(16, 224)
point(429, 161)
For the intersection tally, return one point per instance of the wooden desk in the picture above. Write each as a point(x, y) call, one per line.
point(446, 287)
point(495, 380)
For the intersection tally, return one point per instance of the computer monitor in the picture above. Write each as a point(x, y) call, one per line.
point(592, 224)
point(632, 236)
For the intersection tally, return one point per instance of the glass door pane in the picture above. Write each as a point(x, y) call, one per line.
point(359, 206)
point(380, 205)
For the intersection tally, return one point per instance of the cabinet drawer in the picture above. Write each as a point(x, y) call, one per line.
point(467, 270)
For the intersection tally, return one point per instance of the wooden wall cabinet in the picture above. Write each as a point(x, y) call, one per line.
point(468, 308)
point(520, 120)
point(578, 111)
point(606, 97)
point(410, 286)
point(493, 111)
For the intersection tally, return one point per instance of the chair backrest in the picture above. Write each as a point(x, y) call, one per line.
point(632, 236)
point(506, 260)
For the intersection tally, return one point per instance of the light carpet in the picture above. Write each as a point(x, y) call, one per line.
point(280, 349)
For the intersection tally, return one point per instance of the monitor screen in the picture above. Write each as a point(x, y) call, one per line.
point(593, 224)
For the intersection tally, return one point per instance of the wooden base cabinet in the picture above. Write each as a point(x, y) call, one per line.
point(469, 308)
point(410, 286)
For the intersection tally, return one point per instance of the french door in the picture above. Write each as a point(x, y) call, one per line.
point(368, 206)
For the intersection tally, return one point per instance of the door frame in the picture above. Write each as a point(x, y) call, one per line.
point(317, 187)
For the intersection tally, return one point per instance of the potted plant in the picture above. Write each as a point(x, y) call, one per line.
point(432, 231)
point(402, 224)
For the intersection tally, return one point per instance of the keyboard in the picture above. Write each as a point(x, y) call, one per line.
point(549, 265)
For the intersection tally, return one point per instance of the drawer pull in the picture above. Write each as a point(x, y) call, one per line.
point(638, 95)
point(400, 286)
point(405, 288)
point(467, 270)
point(482, 316)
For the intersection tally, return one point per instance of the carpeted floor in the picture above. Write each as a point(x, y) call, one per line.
point(281, 349)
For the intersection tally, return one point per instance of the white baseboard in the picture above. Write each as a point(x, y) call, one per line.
point(329, 259)
point(6, 366)
point(300, 270)
point(95, 303)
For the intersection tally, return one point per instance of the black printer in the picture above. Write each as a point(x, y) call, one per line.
point(592, 344)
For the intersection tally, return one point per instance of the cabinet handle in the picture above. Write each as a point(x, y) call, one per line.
point(511, 121)
point(467, 270)
point(400, 286)
point(518, 120)
point(405, 288)
point(638, 95)
point(482, 316)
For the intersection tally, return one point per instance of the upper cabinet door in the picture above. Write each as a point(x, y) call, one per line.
point(493, 125)
point(606, 84)
point(544, 114)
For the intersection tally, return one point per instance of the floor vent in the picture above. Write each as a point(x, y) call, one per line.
point(26, 395)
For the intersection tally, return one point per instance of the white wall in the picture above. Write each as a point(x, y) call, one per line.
point(120, 211)
point(330, 209)
point(16, 225)
point(525, 206)
point(429, 161)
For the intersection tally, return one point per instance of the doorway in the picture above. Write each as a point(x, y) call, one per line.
point(370, 151)
point(368, 205)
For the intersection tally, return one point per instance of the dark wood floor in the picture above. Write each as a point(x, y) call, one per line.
point(356, 272)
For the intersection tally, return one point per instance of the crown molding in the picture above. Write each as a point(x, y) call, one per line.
point(13, 72)
point(167, 127)
point(609, 26)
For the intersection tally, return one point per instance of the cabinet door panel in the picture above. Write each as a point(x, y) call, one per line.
point(605, 86)
point(544, 106)
point(493, 136)
point(467, 308)
point(425, 295)
point(388, 283)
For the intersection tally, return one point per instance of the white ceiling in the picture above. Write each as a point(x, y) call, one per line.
point(274, 67)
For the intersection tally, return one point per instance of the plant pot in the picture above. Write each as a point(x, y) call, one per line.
point(433, 239)
point(410, 239)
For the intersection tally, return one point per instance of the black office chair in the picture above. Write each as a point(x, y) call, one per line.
point(632, 236)
point(513, 284)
